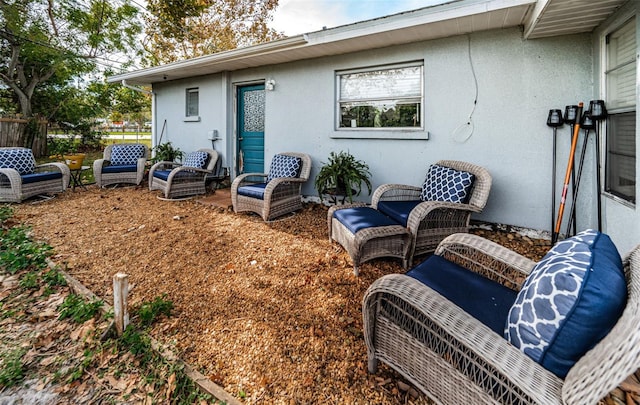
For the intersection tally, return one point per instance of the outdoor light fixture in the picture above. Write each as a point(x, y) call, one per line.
point(555, 118)
point(597, 109)
point(587, 122)
point(270, 85)
point(571, 114)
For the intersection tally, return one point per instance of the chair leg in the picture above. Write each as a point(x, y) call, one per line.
point(355, 270)
point(372, 364)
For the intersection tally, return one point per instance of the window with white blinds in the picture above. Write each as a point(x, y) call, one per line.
point(389, 97)
point(620, 76)
point(192, 102)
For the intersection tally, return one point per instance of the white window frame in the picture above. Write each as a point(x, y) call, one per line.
point(189, 114)
point(614, 110)
point(417, 132)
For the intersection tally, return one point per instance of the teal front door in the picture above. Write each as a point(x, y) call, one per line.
point(250, 129)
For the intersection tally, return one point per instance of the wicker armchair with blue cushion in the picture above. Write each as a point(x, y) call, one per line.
point(21, 177)
point(121, 163)
point(477, 323)
point(443, 205)
point(276, 193)
point(180, 180)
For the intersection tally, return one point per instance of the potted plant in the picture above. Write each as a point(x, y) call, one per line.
point(165, 152)
point(342, 176)
point(67, 150)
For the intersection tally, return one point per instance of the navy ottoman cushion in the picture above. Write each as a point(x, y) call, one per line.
point(357, 218)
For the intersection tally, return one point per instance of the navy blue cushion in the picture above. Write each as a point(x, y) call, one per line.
point(357, 218)
point(198, 159)
point(164, 174)
point(446, 184)
point(126, 154)
point(43, 176)
point(284, 166)
point(569, 302)
point(398, 210)
point(20, 159)
point(253, 190)
point(119, 168)
point(486, 300)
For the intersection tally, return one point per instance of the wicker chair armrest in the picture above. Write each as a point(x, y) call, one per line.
point(191, 169)
point(13, 175)
point(335, 208)
point(487, 258)
point(282, 187)
point(57, 166)
point(164, 165)
point(489, 350)
point(395, 192)
point(457, 212)
point(248, 178)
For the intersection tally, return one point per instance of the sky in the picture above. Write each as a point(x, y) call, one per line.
point(295, 17)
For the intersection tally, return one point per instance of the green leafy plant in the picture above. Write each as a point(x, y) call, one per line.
point(342, 175)
point(12, 371)
point(19, 252)
point(166, 152)
point(149, 311)
point(75, 307)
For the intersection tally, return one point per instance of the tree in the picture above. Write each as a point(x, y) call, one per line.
point(181, 29)
point(51, 42)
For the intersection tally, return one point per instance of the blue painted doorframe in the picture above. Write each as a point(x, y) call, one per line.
point(250, 129)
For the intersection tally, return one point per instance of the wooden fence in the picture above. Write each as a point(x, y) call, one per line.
point(12, 133)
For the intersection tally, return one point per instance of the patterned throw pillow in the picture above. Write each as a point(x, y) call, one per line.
point(284, 166)
point(447, 184)
point(125, 155)
point(569, 302)
point(198, 159)
point(20, 159)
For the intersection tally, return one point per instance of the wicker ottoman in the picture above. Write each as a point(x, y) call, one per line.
point(367, 234)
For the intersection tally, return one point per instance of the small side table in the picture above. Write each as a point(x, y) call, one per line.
point(76, 177)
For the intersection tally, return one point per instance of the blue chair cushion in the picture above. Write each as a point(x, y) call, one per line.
point(119, 168)
point(126, 154)
point(20, 159)
point(569, 302)
point(253, 190)
point(398, 210)
point(43, 176)
point(447, 184)
point(164, 174)
point(358, 218)
point(284, 166)
point(486, 300)
point(198, 159)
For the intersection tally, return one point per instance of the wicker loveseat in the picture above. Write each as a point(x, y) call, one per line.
point(21, 177)
point(276, 193)
point(456, 359)
point(178, 180)
point(121, 163)
point(429, 220)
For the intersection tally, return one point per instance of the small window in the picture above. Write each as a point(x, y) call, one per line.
point(620, 76)
point(386, 98)
point(192, 102)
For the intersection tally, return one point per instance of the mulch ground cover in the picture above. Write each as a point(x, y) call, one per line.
point(271, 312)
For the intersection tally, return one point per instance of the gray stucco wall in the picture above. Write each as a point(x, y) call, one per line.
point(518, 82)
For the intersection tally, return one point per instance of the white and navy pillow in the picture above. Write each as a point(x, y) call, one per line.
point(447, 184)
point(20, 159)
point(284, 166)
point(569, 302)
point(198, 159)
point(126, 155)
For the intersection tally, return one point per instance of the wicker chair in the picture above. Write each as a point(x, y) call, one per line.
point(272, 195)
point(21, 177)
point(455, 359)
point(431, 221)
point(121, 163)
point(179, 180)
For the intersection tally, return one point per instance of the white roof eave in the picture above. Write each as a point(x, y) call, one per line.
point(458, 15)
